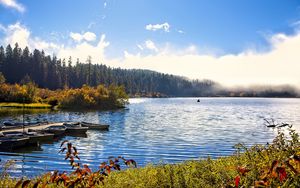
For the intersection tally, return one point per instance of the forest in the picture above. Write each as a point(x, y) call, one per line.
point(20, 65)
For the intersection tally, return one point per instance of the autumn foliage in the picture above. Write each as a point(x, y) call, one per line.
point(99, 97)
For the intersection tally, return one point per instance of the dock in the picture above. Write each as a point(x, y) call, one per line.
point(35, 127)
point(13, 137)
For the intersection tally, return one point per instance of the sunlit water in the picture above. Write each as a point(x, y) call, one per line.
point(155, 131)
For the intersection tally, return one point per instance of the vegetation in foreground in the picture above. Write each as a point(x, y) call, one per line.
point(100, 97)
point(273, 165)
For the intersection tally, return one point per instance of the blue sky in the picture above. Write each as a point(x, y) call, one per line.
point(147, 28)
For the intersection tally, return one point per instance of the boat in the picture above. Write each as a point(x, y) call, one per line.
point(8, 143)
point(71, 123)
point(57, 130)
point(94, 126)
point(72, 128)
point(39, 136)
point(15, 125)
point(34, 137)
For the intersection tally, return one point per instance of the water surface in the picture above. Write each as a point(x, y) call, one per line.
point(167, 130)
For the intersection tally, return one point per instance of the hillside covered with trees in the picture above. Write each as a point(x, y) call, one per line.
point(53, 73)
point(20, 65)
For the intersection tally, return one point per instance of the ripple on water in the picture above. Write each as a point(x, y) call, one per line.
point(161, 131)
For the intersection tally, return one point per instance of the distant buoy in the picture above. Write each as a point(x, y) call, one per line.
point(198, 100)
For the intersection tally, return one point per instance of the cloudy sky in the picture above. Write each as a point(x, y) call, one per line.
point(233, 42)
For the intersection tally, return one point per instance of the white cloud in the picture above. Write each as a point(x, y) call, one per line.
point(154, 27)
point(180, 31)
point(13, 4)
point(150, 45)
point(84, 49)
point(88, 36)
point(17, 33)
point(140, 47)
point(76, 36)
point(2, 28)
point(104, 4)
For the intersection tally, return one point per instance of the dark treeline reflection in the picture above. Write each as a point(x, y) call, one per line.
point(54, 73)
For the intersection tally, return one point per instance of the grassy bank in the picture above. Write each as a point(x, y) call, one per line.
point(27, 106)
point(273, 165)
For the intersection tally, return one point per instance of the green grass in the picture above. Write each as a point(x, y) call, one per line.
point(20, 105)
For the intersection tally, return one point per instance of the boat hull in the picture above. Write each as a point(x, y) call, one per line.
point(11, 143)
point(93, 126)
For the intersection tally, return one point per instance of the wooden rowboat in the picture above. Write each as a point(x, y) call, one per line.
point(94, 126)
point(57, 130)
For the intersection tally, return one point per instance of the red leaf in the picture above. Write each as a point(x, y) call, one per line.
point(102, 165)
point(107, 168)
point(282, 173)
point(25, 183)
point(19, 183)
point(274, 164)
point(87, 168)
point(237, 181)
point(52, 178)
point(130, 162)
point(242, 170)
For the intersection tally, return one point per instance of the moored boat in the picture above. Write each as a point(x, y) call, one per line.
point(75, 128)
point(71, 123)
point(94, 126)
point(34, 137)
point(57, 130)
point(8, 143)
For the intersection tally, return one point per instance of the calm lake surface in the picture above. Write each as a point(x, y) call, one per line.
point(167, 130)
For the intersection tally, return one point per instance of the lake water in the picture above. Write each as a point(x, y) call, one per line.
point(167, 130)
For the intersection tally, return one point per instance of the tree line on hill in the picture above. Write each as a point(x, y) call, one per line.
point(18, 65)
point(53, 73)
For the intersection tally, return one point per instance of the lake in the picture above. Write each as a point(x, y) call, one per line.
point(165, 130)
